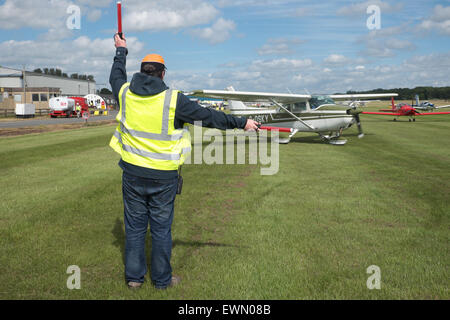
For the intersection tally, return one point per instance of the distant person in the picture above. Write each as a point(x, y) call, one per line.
point(78, 109)
point(153, 143)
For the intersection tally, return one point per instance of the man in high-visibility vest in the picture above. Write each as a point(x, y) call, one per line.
point(153, 142)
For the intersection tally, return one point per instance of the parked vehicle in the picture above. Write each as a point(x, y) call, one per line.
point(67, 106)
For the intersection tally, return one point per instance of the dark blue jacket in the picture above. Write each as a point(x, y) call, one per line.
point(187, 111)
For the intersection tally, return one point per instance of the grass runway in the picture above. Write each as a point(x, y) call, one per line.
point(308, 232)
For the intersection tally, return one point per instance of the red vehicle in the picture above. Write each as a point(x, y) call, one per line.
point(67, 106)
point(80, 102)
point(403, 109)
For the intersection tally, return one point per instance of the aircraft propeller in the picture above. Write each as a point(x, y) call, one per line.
point(355, 114)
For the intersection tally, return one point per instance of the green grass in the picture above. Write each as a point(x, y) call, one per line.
point(309, 232)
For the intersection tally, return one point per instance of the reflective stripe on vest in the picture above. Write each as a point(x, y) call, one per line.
point(163, 136)
point(156, 156)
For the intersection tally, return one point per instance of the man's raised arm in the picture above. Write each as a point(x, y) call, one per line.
point(118, 71)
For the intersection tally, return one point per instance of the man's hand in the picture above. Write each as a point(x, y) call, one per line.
point(120, 42)
point(252, 125)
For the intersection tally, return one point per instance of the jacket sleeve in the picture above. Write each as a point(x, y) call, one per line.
point(118, 75)
point(188, 111)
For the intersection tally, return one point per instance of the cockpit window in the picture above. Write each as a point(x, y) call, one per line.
point(317, 101)
point(299, 106)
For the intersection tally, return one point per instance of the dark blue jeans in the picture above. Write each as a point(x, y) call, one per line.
point(148, 201)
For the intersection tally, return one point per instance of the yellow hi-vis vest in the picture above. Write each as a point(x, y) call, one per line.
point(146, 135)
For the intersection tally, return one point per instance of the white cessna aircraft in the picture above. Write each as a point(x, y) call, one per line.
point(297, 112)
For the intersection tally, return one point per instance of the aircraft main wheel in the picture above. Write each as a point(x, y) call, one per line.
point(414, 120)
point(395, 119)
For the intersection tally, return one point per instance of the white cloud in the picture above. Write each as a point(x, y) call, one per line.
point(144, 15)
point(219, 32)
point(96, 3)
point(440, 21)
point(361, 8)
point(302, 12)
point(156, 15)
point(82, 55)
point(94, 15)
point(335, 59)
point(281, 64)
point(279, 46)
point(50, 14)
point(15, 14)
point(386, 41)
point(249, 3)
point(278, 74)
point(389, 31)
point(382, 48)
point(271, 8)
point(399, 44)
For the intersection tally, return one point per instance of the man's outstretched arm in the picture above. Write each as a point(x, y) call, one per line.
point(189, 112)
point(118, 75)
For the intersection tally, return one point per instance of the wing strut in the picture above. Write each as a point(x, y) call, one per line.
point(293, 115)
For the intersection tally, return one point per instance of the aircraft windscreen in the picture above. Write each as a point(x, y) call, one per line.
point(317, 101)
point(300, 106)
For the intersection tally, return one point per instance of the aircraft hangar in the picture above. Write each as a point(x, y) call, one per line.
point(39, 87)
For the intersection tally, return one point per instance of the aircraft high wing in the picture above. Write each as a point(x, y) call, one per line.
point(285, 98)
point(362, 96)
point(345, 100)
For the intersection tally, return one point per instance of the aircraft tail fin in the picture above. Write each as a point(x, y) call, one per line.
point(417, 100)
point(240, 109)
point(236, 106)
point(393, 103)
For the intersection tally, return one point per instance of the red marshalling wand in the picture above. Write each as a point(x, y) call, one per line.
point(119, 19)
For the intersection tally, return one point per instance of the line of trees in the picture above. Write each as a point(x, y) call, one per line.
point(425, 93)
point(58, 72)
point(104, 91)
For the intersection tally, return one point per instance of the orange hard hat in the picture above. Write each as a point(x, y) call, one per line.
point(153, 58)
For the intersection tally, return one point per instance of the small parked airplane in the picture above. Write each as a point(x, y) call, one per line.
point(403, 109)
point(296, 112)
point(426, 105)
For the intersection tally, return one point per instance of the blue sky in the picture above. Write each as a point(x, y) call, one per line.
point(277, 45)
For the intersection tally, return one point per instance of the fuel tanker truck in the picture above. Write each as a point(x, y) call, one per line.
point(67, 106)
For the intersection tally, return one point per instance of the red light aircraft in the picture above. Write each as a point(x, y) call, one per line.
point(403, 109)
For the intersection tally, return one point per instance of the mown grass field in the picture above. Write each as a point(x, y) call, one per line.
point(308, 232)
